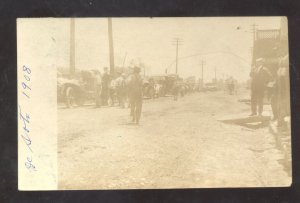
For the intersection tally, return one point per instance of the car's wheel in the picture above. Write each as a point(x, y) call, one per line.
point(79, 100)
point(69, 96)
point(151, 93)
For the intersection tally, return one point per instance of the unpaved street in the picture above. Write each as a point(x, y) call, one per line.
point(178, 144)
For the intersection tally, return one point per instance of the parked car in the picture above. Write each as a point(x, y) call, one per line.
point(210, 87)
point(148, 89)
point(76, 89)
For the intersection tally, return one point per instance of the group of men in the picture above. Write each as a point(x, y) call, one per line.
point(121, 87)
point(276, 85)
point(131, 87)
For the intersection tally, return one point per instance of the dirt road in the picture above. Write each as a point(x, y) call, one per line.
point(179, 144)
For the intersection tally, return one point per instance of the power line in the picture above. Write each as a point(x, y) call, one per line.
point(177, 42)
point(208, 53)
point(111, 47)
point(202, 74)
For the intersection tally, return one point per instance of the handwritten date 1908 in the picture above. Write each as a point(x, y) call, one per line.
point(25, 120)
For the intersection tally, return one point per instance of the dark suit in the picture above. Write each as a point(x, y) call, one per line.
point(135, 93)
point(260, 76)
point(105, 88)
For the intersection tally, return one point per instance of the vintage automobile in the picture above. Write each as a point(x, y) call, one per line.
point(210, 87)
point(164, 84)
point(159, 85)
point(148, 88)
point(76, 89)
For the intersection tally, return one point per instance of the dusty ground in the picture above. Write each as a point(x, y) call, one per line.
point(178, 144)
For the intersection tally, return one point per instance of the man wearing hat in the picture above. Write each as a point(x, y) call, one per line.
point(105, 86)
point(260, 76)
point(135, 93)
point(98, 87)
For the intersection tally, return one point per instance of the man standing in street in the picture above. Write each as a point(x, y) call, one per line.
point(175, 89)
point(112, 91)
point(98, 88)
point(135, 93)
point(260, 76)
point(105, 87)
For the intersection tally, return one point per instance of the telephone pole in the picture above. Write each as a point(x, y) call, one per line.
point(253, 30)
point(72, 46)
point(202, 76)
point(177, 42)
point(111, 47)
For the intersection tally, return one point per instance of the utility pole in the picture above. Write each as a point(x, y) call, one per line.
point(215, 75)
point(111, 47)
point(253, 30)
point(177, 42)
point(72, 46)
point(202, 76)
point(124, 61)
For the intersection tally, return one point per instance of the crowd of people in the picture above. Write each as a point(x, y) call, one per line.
point(110, 90)
point(125, 88)
point(120, 89)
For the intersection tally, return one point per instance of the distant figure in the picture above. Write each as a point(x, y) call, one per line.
point(175, 90)
point(105, 85)
point(230, 85)
point(182, 89)
point(135, 93)
point(260, 76)
point(157, 90)
point(121, 89)
point(112, 91)
point(98, 88)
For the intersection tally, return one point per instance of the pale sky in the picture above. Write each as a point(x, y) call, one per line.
point(224, 44)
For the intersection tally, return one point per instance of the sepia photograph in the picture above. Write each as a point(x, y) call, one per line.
point(154, 103)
